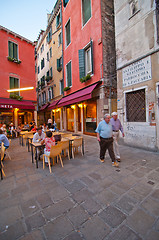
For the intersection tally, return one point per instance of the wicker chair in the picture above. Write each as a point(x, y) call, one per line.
point(77, 142)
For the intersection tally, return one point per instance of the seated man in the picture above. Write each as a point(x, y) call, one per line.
point(4, 139)
point(38, 137)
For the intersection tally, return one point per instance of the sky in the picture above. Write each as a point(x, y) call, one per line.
point(25, 17)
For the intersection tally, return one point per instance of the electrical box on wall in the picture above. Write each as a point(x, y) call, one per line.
point(105, 107)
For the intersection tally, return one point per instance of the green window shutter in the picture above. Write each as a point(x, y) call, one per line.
point(10, 47)
point(81, 55)
point(92, 56)
point(86, 10)
point(11, 82)
point(68, 34)
point(57, 20)
point(69, 75)
point(15, 51)
point(58, 63)
point(51, 71)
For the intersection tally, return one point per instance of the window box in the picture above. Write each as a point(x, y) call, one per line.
point(85, 79)
point(66, 89)
point(13, 60)
point(15, 96)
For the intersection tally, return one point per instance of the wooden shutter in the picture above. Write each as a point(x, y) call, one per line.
point(11, 82)
point(10, 48)
point(81, 55)
point(69, 75)
point(15, 51)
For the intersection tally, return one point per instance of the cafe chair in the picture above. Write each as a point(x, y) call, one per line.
point(55, 152)
point(1, 164)
point(65, 146)
point(57, 137)
point(77, 142)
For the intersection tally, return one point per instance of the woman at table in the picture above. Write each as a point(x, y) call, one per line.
point(48, 141)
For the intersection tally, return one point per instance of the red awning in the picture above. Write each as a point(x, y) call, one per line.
point(12, 103)
point(53, 105)
point(79, 96)
point(44, 107)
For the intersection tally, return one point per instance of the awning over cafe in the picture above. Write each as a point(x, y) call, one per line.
point(53, 105)
point(45, 106)
point(78, 96)
point(8, 103)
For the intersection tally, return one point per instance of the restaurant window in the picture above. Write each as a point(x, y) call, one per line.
point(70, 119)
point(68, 33)
point(57, 118)
point(14, 83)
point(90, 114)
point(135, 106)
point(68, 75)
point(6, 117)
point(86, 11)
point(13, 50)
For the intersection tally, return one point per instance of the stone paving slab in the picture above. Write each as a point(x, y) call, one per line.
point(84, 200)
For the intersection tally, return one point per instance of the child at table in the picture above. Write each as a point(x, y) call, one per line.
point(48, 141)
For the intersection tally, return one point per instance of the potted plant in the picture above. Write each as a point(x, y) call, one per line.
point(85, 79)
point(66, 88)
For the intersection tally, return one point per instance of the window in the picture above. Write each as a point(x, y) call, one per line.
point(59, 64)
point(39, 100)
point(35, 68)
point(61, 86)
point(135, 106)
point(86, 60)
point(68, 75)
point(157, 19)
point(49, 35)
point(42, 64)
point(58, 20)
point(50, 93)
point(13, 50)
point(43, 97)
point(14, 83)
point(59, 39)
point(50, 50)
point(47, 56)
point(42, 48)
point(68, 33)
point(86, 10)
point(65, 2)
point(51, 71)
point(43, 81)
point(134, 7)
point(38, 69)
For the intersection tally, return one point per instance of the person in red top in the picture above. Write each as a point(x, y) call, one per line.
point(48, 141)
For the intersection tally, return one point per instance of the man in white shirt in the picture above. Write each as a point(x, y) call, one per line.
point(38, 137)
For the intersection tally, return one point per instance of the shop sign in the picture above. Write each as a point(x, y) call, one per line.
point(137, 72)
point(6, 106)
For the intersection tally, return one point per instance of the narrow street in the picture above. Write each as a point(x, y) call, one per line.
point(86, 199)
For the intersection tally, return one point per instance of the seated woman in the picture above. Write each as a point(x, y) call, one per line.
point(48, 141)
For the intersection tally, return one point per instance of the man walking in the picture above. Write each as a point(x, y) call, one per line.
point(105, 138)
point(116, 126)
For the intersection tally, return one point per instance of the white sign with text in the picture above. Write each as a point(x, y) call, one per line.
point(137, 72)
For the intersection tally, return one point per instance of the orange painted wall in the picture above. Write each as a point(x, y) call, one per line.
point(25, 71)
point(80, 37)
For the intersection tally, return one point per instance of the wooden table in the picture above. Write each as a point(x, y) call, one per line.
point(35, 145)
point(21, 137)
point(31, 139)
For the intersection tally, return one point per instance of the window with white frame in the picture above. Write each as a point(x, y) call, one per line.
point(86, 60)
point(50, 93)
point(60, 39)
point(14, 83)
point(68, 33)
point(68, 74)
point(136, 106)
point(61, 86)
point(43, 97)
point(86, 11)
point(133, 6)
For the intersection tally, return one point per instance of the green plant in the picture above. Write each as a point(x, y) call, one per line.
point(15, 96)
point(85, 79)
point(66, 88)
point(14, 60)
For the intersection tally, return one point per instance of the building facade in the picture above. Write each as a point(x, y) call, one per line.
point(137, 49)
point(88, 64)
point(49, 68)
point(16, 71)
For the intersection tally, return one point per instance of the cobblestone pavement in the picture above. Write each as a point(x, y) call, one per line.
point(86, 199)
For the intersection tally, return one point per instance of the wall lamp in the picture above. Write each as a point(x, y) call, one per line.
point(20, 89)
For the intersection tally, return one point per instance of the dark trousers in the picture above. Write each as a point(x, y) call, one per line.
point(106, 143)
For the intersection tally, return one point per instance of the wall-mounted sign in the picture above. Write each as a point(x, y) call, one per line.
point(137, 72)
point(6, 106)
